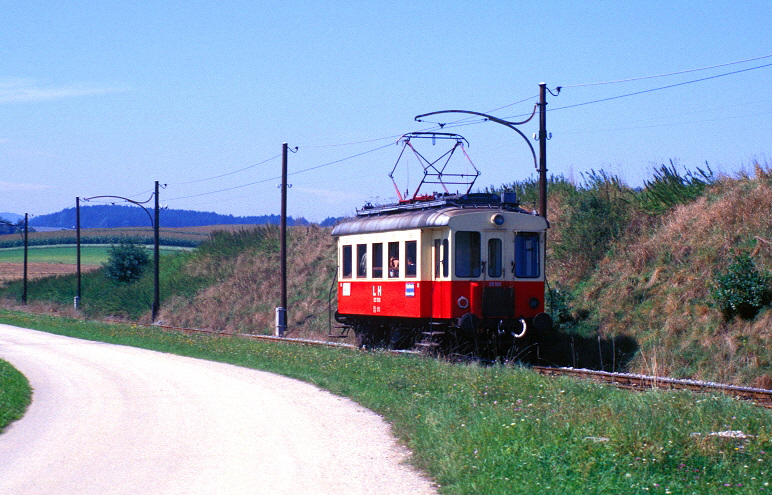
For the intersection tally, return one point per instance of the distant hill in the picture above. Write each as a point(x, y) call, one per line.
point(108, 216)
point(11, 217)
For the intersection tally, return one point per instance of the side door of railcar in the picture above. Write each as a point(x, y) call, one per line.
point(441, 285)
point(498, 298)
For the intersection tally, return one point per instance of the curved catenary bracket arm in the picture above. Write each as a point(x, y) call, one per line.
point(138, 203)
point(511, 125)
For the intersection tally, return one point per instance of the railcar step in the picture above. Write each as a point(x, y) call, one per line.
point(427, 344)
point(432, 334)
point(343, 334)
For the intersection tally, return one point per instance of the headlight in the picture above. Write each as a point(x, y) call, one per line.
point(497, 219)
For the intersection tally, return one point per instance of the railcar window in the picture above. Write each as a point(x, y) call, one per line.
point(445, 257)
point(393, 259)
point(437, 258)
point(378, 260)
point(347, 267)
point(527, 249)
point(411, 249)
point(494, 258)
point(467, 254)
point(362, 257)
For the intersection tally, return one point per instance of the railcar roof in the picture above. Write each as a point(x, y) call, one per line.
point(434, 217)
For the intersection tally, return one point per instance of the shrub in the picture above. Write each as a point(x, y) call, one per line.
point(126, 262)
point(742, 290)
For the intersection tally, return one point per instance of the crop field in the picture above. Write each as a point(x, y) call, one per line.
point(89, 255)
point(179, 236)
point(47, 261)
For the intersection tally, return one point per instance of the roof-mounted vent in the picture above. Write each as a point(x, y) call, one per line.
point(509, 198)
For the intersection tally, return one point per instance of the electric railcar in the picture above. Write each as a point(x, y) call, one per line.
point(457, 273)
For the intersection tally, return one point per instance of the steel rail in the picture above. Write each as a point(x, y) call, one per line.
point(758, 396)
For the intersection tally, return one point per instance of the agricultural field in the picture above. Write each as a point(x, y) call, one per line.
point(179, 236)
point(46, 261)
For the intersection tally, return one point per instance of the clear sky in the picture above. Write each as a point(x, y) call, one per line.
point(104, 97)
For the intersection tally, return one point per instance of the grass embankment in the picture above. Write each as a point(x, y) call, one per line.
point(15, 394)
point(505, 430)
point(651, 276)
point(241, 269)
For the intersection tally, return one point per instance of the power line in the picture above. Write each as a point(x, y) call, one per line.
point(652, 126)
point(226, 189)
point(342, 159)
point(350, 144)
point(227, 174)
point(668, 74)
point(279, 177)
point(661, 87)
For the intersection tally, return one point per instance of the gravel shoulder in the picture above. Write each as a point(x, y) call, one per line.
point(108, 419)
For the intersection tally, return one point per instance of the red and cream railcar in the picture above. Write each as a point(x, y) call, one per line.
point(454, 272)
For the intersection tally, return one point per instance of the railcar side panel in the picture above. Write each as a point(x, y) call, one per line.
point(440, 299)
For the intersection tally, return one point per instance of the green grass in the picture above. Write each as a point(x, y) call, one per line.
point(505, 430)
point(15, 394)
point(89, 255)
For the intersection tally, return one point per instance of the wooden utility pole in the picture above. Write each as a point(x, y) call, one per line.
point(26, 245)
point(281, 311)
point(543, 149)
point(77, 251)
point(156, 259)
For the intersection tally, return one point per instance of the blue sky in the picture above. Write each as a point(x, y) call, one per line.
point(103, 98)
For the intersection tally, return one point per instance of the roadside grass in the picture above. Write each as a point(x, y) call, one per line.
point(504, 429)
point(15, 394)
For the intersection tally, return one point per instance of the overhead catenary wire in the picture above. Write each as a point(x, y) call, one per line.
point(228, 173)
point(661, 87)
point(279, 177)
point(667, 74)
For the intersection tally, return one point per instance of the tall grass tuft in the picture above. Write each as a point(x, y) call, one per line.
point(669, 188)
point(593, 217)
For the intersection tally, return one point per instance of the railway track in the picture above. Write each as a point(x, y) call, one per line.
point(758, 396)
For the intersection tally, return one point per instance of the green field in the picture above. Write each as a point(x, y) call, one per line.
point(89, 254)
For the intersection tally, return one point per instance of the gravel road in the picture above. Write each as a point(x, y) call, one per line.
point(108, 419)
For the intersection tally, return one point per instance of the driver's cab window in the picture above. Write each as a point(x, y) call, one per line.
point(527, 249)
